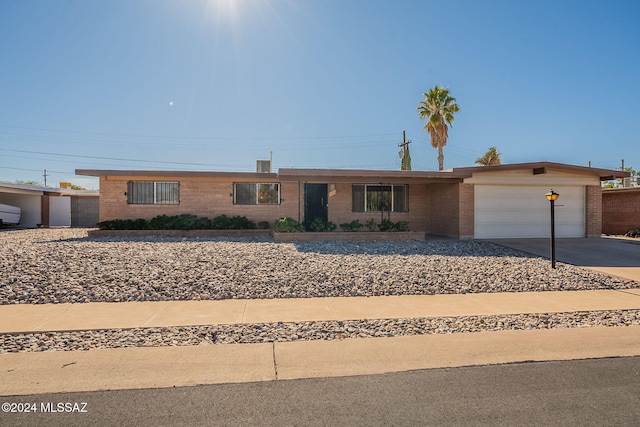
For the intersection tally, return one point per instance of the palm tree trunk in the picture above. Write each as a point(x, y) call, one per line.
point(440, 158)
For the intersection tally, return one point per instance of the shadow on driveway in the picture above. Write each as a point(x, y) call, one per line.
point(591, 252)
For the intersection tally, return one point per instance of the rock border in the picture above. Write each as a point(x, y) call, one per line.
point(180, 233)
point(357, 236)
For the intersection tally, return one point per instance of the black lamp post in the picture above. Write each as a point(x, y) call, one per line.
point(552, 196)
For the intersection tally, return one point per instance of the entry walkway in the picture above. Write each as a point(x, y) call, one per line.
point(69, 317)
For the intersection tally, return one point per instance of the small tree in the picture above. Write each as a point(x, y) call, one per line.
point(490, 158)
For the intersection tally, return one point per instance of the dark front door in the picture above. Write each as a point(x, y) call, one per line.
point(315, 203)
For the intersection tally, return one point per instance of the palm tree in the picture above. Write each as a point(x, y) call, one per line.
point(438, 109)
point(490, 158)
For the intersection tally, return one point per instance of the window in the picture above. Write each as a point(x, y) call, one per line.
point(153, 193)
point(377, 197)
point(250, 193)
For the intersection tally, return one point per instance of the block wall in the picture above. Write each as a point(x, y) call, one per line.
point(444, 210)
point(593, 211)
point(201, 197)
point(620, 211)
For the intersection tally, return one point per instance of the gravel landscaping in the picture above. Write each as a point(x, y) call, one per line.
point(325, 330)
point(64, 265)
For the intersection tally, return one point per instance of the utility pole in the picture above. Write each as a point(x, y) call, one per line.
point(45, 177)
point(404, 153)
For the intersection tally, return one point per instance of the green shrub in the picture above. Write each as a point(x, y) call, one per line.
point(287, 225)
point(387, 225)
point(241, 223)
point(180, 222)
point(402, 226)
point(221, 222)
point(264, 225)
point(321, 226)
point(371, 225)
point(124, 224)
point(159, 222)
point(351, 226)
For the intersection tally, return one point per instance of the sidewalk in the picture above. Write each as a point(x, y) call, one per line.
point(150, 367)
point(70, 317)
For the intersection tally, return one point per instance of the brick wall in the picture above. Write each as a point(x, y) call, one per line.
point(201, 197)
point(341, 209)
point(211, 198)
point(446, 216)
point(593, 211)
point(620, 210)
point(467, 208)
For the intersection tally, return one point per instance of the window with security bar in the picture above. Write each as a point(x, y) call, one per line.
point(380, 198)
point(251, 193)
point(153, 193)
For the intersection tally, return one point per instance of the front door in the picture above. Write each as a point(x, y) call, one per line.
point(315, 204)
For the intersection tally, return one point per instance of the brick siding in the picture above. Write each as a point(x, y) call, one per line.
point(211, 198)
point(593, 211)
point(451, 210)
point(620, 210)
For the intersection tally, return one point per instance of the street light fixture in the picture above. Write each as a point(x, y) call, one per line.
point(552, 196)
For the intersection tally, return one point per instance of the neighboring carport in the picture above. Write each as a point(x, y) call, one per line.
point(27, 198)
point(51, 207)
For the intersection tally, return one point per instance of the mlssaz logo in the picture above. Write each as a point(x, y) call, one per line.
point(63, 407)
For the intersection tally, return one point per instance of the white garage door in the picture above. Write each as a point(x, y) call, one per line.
point(504, 211)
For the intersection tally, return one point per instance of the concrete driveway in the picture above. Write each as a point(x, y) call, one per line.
point(611, 255)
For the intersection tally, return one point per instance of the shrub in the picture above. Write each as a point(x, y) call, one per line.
point(241, 223)
point(159, 222)
point(124, 224)
point(264, 225)
point(387, 225)
point(287, 225)
point(322, 226)
point(351, 226)
point(221, 222)
point(180, 222)
point(371, 225)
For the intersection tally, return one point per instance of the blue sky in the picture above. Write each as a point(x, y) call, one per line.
point(216, 85)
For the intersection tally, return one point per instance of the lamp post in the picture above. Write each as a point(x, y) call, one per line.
point(552, 196)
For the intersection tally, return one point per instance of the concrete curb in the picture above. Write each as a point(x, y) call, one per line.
point(158, 367)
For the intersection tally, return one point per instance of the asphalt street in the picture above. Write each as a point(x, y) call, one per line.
point(592, 392)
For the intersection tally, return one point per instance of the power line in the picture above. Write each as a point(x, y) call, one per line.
point(36, 170)
point(220, 138)
point(106, 158)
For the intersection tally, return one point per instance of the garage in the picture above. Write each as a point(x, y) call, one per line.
point(522, 211)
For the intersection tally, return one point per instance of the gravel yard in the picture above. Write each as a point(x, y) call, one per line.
point(64, 265)
point(296, 331)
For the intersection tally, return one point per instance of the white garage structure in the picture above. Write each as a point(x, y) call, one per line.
point(512, 203)
point(50, 207)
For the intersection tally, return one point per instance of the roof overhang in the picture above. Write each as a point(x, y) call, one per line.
point(353, 175)
point(538, 168)
point(368, 175)
point(174, 174)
